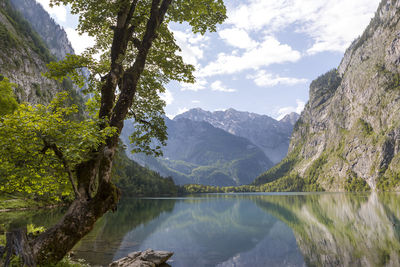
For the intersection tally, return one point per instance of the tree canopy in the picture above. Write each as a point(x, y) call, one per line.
point(41, 145)
point(8, 103)
point(102, 20)
point(134, 57)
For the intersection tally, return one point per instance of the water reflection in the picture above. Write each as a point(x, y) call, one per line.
point(224, 231)
point(104, 242)
point(342, 229)
point(248, 230)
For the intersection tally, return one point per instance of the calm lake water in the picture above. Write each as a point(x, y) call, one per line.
point(247, 230)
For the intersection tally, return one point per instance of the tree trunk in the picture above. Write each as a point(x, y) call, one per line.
point(52, 245)
point(17, 244)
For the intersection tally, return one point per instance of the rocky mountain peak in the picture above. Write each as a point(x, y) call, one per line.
point(290, 118)
point(270, 135)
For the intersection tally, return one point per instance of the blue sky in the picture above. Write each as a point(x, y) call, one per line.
point(263, 58)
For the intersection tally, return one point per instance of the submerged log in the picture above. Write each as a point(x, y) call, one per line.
point(17, 245)
point(148, 258)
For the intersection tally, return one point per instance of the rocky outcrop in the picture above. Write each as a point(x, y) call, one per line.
point(148, 258)
point(349, 131)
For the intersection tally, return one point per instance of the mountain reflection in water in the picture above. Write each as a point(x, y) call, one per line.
point(255, 230)
point(250, 230)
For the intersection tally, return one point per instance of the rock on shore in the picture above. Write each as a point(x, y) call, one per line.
point(148, 258)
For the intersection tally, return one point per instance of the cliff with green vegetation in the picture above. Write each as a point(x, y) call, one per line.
point(348, 136)
point(52, 34)
point(23, 57)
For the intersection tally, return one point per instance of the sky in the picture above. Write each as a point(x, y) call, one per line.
point(262, 59)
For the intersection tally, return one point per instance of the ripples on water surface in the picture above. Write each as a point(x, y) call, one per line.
point(247, 230)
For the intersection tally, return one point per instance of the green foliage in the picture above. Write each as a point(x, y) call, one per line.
point(392, 79)
point(8, 102)
point(30, 139)
point(163, 62)
point(313, 173)
point(330, 80)
point(279, 170)
point(7, 39)
point(356, 184)
point(371, 28)
point(67, 261)
point(288, 183)
point(137, 181)
point(322, 88)
point(388, 181)
point(366, 128)
point(69, 67)
point(19, 201)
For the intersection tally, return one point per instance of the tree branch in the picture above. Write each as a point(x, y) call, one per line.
point(132, 75)
point(118, 51)
point(61, 157)
point(140, 120)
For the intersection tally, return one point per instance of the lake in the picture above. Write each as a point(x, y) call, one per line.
point(293, 229)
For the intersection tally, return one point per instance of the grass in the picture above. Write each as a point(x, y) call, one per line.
point(15, 202)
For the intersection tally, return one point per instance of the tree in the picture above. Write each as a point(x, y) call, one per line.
point(138, 56)
point(7, 98)
point(41, 145)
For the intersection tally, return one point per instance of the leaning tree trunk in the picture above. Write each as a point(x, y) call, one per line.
point(52, 245)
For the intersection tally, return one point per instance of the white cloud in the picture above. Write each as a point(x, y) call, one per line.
point(180, 111)
point(237, 37)
point(195, 101)
point(268, 52)
point(58, 12)
point(332, 25)
point(218, 86)
point(282, 112)
point(191, 46)
point(167, 97)
point(200, 84)
point(264, 79)
point(79, 42)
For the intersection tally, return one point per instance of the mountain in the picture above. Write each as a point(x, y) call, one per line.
point(348, 136)
point(24, 54)
point(51, 33)
point(290, 119)
point(270, 135)
point(198, 152)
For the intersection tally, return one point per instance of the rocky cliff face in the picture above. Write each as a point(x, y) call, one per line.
point(52, 34)
point(349, 131)
point(24, 54)
point(270, 135)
